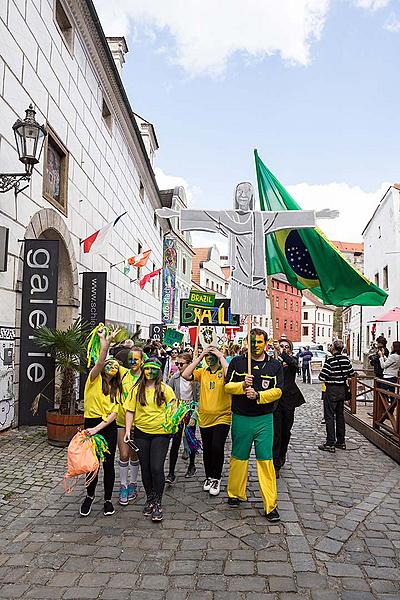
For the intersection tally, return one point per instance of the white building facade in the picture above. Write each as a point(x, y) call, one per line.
point(317, 321)
point(94, 166)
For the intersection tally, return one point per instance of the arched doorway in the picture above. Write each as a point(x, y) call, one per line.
point(47, 224)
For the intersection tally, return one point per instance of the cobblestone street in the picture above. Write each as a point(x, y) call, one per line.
point(339, 537)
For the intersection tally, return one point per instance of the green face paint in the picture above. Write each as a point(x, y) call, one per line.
point(211, 360)
point(134, 361)
point(111, 368)
point(151, 373)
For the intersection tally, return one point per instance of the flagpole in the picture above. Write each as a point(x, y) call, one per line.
point(271, 302)
point(248, 345)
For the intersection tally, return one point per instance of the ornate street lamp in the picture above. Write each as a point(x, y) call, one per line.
point(29, 138)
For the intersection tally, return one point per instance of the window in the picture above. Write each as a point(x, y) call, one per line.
point(184, 265)
point(285, 303)
point(385, 278)
point(285, 324)
point(155, 220)
point(291, 325)
point(297, 325)
point(379, 231)
point(207, 283)
point(64, 24)
point(305, 315)
point(329, 332)
point(141, 190)
point(305, 330)
point(297, 306)
point(377, 279)
point(55, 172)
point(323, 331)
point(323, 317)
point(106, 114)
point(153, 281)
point(140, 248)
point(318, 331)
point(277, 323)
point(212, 285)
point(329, 318)
point(277, 301)
point(277, 285)
point(291, 305)
point(285, 287)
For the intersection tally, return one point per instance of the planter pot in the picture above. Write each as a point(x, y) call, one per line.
point(62, 428)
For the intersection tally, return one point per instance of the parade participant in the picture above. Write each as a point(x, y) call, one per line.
point(214, 413)
point(254, 398)
point(145, 409)
point(102, 396)
point(291, 398)
point(132, 361)
point(188, 392)
point(336, 371)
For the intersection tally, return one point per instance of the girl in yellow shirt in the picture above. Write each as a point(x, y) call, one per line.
point(145, 410)
point(101, 399)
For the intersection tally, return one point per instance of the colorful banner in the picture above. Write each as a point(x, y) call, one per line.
point(169, 279)
point(173, 337)
point(220, 314)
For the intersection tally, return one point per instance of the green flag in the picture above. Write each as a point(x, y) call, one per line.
point(306, 256)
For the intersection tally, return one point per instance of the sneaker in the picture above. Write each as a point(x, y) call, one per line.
point(170, 479)
point(233, 501)
point(108, 508)
point(148, 507)
point(185, 454)
point(273, 516)
point(86, 506)
point(157, 514)
point(207, 484)
point(191, 472)
point(123, 495)
point(326, 448)
point(132, 491)
point(215, 487)
point(340, 446)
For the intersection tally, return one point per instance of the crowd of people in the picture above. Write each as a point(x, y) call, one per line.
point(129, 390)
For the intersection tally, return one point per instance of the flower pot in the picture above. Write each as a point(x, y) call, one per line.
point(62, 428)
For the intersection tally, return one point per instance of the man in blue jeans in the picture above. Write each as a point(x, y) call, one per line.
point(306, 357)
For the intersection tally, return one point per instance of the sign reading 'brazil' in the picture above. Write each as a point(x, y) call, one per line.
point(219, 314)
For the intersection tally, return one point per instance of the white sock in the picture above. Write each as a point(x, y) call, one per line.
point(123, 472)
point(134, 469)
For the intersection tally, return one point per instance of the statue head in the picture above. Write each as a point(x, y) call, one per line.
point(244, 197)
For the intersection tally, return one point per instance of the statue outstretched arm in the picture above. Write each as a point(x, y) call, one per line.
point(288, 219)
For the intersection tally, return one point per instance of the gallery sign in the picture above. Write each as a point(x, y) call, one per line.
point(219, 314)
point(156, 332)
point(39, 308)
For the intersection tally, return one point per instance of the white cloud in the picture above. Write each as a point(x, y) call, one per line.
point(208, 33)
point(354, 204)
point(371, 4)
point(167, 182)
point(392, 24)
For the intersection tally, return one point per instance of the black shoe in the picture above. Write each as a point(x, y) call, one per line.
point(233, 501)
point(277, 475)
point(340, 446)
point(170, 479)
point(273, 516)
point(148, 507)
point(326, 448)
point(86, 506)
point(108, 508)
point(157, 514)
point(191, 472)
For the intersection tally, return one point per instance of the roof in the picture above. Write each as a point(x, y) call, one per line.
point(227, 272)
point(307, 294)
point(201, 255)
point(396, 186)
point(349, 246)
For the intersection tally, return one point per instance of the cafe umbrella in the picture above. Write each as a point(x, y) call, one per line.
point(392, 316)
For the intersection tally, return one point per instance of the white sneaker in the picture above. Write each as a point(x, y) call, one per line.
point(207, 484)
point(215, 487)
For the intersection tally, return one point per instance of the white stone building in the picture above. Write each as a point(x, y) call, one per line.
point(54, 54)
point(176, 200)
point(317, 321)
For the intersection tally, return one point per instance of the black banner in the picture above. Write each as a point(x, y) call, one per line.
point(94, 298)
point(220, 314)
point(156, 332)
point(39, 308)
point(93, 307)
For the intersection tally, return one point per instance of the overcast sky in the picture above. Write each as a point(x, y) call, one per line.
point(312, 84)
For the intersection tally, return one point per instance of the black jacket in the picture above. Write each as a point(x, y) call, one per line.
point(291, 394)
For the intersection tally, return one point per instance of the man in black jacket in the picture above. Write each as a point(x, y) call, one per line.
point(335, 373)
point(254, 398)
point(374, 356)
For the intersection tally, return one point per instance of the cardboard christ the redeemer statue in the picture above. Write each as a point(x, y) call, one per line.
point(245, 229)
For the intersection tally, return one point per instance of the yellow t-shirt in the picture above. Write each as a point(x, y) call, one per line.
point(96, 404)
point(215, 403)
point(128, 381)
point(149, 418)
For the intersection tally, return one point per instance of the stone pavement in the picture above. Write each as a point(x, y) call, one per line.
point(339, 537)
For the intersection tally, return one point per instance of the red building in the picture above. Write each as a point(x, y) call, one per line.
point(286, 302)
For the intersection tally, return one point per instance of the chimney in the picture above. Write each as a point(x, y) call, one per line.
point(119, 48)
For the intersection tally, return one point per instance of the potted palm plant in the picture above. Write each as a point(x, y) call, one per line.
point(68, 348)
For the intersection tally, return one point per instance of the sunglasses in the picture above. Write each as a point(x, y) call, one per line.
point(286, 346)
point(180, 364)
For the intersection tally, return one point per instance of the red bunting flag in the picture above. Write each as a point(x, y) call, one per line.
point(97, 241)
point(148, 277)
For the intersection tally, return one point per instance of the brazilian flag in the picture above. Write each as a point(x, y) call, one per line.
point(306, 256)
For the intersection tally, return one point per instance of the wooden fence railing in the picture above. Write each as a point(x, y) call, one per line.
point(384, 402)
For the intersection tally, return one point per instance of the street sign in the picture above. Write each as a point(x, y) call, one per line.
point(203, 299)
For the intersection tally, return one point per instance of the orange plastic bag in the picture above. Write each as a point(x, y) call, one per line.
point(81, 460)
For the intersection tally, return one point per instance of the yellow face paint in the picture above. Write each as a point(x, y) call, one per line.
point(257, 344)
point(111, 368)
